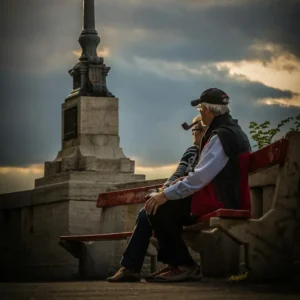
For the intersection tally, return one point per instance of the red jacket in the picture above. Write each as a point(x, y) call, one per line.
point(206, 201)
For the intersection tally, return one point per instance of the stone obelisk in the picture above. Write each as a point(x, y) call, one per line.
point(90, 121)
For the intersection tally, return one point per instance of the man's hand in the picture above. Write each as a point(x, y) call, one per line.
point(154, 203)
point(178, 179)
point(153, 192)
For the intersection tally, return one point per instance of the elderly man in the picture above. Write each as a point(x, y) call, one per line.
point(218, 181)
point(135, 252)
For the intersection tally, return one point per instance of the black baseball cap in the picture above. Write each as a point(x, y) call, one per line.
point(212, 96)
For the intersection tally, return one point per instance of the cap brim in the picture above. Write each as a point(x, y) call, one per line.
point(195, 102)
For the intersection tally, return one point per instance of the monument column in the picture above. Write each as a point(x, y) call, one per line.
point(89, 16)
point(89, 39)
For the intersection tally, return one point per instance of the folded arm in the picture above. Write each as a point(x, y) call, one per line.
point(183, 166)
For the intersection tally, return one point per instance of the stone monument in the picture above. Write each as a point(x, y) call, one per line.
point(63, 202)
point(90, 122)
point(90, 159)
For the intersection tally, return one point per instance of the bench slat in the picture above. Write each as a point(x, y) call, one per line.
point(98, 237)
point(227, 213)
point(124, 197)
point(273, 154)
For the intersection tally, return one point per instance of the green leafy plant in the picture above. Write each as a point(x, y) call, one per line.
point(296, 124)
point(263, 134)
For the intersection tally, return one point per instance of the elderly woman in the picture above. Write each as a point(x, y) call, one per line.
point(135, 252)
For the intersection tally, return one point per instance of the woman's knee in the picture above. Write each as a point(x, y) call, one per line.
point(142, 216)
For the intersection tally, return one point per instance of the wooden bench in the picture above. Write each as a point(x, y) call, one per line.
point(236, 224)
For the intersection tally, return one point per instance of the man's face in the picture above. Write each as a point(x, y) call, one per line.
point(205, 115)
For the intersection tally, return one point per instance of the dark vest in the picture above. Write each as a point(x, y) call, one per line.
point(225, 189)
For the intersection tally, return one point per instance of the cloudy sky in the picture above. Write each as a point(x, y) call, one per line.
point(162, 54)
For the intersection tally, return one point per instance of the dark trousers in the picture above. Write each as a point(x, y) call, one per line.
point(134, 255)
point(167, 225)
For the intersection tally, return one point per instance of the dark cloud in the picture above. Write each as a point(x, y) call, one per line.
point(38, 31)
point(210, 33)
point(30, 117)
point(39, 36)
point(166, 104)
point(151, 112)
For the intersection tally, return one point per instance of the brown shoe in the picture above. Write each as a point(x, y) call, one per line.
point(125, 275)
point(151, 277)
point(175, 274)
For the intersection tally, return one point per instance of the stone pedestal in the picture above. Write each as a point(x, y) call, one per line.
point(90, 138)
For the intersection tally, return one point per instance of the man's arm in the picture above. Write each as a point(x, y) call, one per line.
point(212, 160)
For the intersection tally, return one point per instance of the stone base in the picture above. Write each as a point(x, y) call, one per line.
point(62, 204)
point(220, 255)
point(78, 160)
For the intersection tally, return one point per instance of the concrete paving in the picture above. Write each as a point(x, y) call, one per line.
point(92, 290)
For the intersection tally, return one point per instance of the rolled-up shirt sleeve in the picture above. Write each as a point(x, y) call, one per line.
point(212, 160)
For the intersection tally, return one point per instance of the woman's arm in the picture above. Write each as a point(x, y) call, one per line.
point(183, 166)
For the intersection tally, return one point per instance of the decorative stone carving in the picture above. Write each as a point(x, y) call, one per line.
point(89, 74)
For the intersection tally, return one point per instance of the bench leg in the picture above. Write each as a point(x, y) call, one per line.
point(75, 248)
point(219, 254)
point(153, 263)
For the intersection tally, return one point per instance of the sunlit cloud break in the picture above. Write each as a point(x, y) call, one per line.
point(37, 169)
point(281, 71)
point(156, 172)
point(103, 52)
point(13, 179)
point(295, 101)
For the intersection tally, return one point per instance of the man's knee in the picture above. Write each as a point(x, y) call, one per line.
point(160, 216)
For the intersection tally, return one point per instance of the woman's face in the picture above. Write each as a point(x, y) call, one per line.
point(198, 134)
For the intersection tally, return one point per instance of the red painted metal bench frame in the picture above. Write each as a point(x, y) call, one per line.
point(271, 155)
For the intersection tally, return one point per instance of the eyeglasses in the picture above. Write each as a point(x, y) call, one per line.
point(200, 107)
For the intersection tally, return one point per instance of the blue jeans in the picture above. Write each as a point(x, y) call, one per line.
point(134, 255)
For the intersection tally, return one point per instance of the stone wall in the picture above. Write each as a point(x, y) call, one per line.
point(29, 241)
point(31, 223)
point(262, 187)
